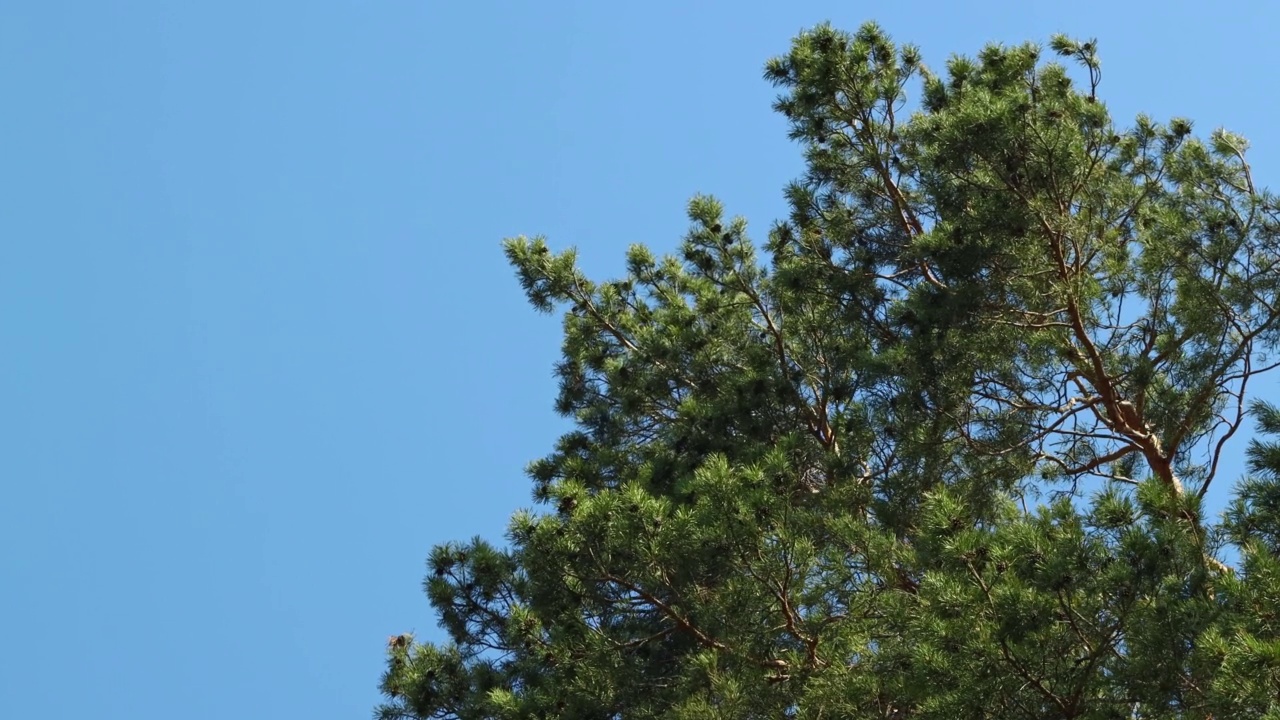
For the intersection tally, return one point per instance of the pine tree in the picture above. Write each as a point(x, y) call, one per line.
point(941, 452)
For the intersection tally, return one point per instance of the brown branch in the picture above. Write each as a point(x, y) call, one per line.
point(682, 622)
point(818, 425)
point(1217, 450)
point(1008, 655)
point(906, 216)
point(1095, 463)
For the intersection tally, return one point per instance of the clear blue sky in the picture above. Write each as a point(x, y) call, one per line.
point(259, 349)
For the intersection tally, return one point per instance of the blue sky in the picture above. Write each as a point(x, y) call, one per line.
point(259, 349)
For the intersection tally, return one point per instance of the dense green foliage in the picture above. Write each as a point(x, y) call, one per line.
point(940, 453)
